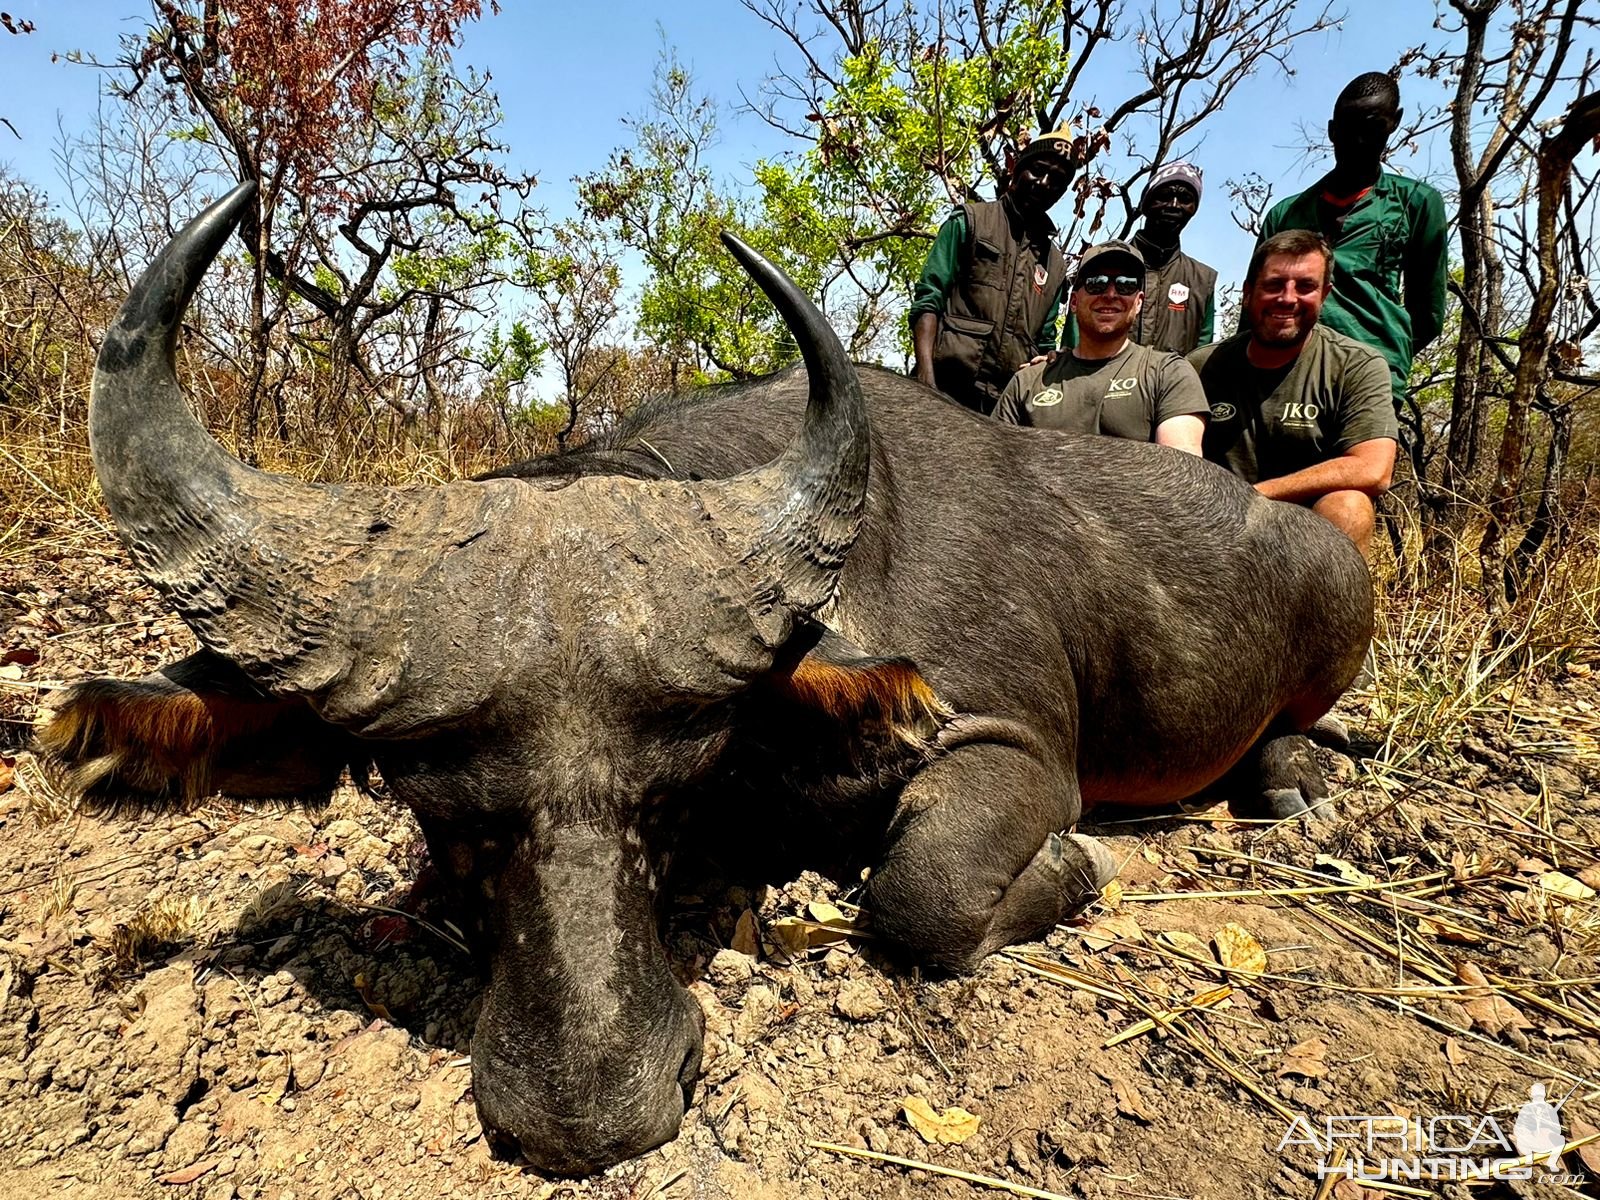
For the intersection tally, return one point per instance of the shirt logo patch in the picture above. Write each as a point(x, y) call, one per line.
point(1178, 293)
point(1128, 385)
point(1046, 398)
point(1040, 278)
point(1300, 415)
point(1223, 412)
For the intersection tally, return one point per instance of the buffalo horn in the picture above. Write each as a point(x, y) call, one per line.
point(808, 501)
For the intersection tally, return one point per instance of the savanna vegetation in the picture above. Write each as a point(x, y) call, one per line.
point(403, 309)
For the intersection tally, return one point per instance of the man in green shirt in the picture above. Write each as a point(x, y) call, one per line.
point(1388, 232)
point(989, 294)
point(1301, 411)
point(1108, 383)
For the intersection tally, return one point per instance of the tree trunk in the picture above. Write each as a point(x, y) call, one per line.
point(1556, 152)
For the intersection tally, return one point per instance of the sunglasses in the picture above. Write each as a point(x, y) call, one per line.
point(1096, 285)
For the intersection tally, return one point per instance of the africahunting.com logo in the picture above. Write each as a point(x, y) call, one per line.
point(1440, 1148)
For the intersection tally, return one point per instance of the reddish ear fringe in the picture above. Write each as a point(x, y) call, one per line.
point(884, 691)
point(149, 739)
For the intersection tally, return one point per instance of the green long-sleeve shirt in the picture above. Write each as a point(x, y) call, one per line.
point(939, 276)
point(1390, 264)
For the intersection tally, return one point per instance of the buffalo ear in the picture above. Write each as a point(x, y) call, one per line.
point(826, 672)
point(191, 730)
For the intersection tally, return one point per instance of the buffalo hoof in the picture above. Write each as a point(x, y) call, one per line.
point(1331, 732)
point(1102, 865)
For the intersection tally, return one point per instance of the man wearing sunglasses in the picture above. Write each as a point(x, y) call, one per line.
point(1388, 232)
point(1108, 383)
point(989, 295)
point(1301, 411)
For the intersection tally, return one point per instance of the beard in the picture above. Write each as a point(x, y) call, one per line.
point(1281, 333)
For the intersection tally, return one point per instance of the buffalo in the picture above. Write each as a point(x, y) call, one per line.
point(829, 589)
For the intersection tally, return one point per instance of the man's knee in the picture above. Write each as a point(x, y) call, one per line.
point(1352, 511)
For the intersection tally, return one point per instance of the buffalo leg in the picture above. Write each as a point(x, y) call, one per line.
point(1289, 780)
point(977, 857)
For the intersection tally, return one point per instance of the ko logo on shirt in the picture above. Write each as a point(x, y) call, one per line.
point(1126, 386)
point(1300, 414)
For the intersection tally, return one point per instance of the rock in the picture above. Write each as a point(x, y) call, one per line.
point(759, 1011)
point(152, 1121)
point(730, 968)
point(187, 1144)
point(859, 1000)
point(160, 1041)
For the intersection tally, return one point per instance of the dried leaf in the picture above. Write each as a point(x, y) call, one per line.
point(21, 654)
point(1489, 1011)
point(1129, 1102)
point(1237, 948)
point(950, 1127)
point(1307, 1059)
point(1447, 933)
point(1453, 1053)
point(1590, 1154)
point(190, 1173)
point(1532, 866)
point(1111, 895)
point(1590, 877)
point(8, 776)
point(745, 939)
point(1565, 886)
point(1151, 855)
point(1344, 870)
point(825, 913)
point(789, 936)
point(364, 990)
point(1118, 927)
point(10, 671)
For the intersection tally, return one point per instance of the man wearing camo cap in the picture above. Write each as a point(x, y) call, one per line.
point(1180, 305)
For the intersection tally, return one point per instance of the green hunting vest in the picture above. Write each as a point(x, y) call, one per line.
point(1008, 280)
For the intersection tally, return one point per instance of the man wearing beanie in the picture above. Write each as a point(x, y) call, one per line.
point(989, 295)
point(1107, 383)
point(1180, 301)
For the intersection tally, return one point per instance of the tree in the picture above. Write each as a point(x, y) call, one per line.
point(1500, 93)
point(906, 109)
point(661, 200)
point(1502, 573)
point(576, 289)
point(362, 144)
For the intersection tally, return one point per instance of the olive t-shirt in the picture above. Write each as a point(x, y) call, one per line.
point(1269, 423)
point(1127, 395)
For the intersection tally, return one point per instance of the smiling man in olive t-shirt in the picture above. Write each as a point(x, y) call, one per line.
point(1107, 383)
point(1300, 411)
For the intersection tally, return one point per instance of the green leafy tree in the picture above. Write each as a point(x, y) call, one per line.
point(904, 110)
point(661, 200)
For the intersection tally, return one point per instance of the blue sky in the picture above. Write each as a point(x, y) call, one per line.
point(568, 73)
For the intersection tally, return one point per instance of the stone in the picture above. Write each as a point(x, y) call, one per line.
point(859, 1000)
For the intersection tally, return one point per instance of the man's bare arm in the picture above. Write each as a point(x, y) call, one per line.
point(1184, 432)
point(924, 335)
point(1366, 467)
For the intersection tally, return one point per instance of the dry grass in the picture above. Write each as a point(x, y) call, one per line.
point(155, 926)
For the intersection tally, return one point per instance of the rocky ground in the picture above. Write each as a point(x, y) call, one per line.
point(233, 1003)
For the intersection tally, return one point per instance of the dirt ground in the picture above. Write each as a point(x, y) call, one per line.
point(233, 1003)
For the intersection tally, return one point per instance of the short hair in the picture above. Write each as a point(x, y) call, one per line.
point(1296, 243)
point(1377, 84)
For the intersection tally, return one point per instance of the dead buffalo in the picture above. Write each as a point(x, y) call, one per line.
point(827, 587)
